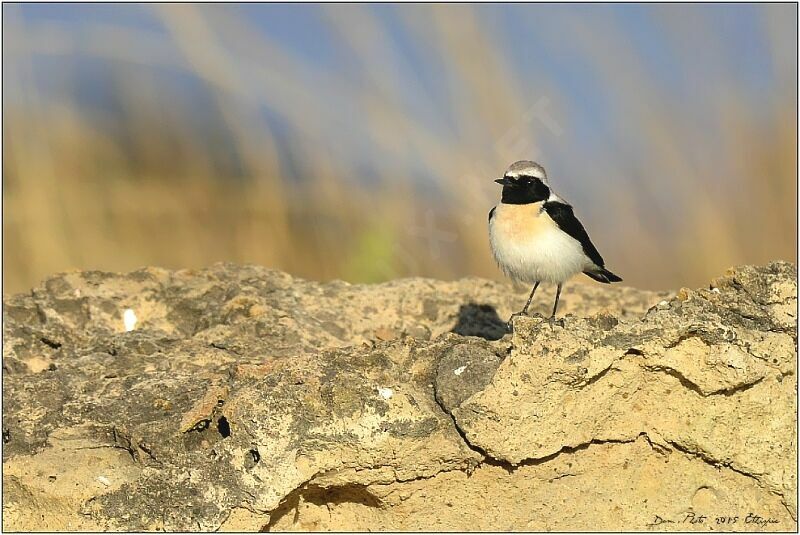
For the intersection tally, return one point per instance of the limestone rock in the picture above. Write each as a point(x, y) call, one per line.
point(239, 397)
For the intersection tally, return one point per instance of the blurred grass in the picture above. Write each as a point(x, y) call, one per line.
point(336, 173)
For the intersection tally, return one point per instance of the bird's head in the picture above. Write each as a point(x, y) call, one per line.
point(524, 182)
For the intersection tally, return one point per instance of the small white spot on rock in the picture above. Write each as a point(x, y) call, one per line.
point(129, 319)
point(104, 480)
point(385, 393)
point(459, 371)
point(715, 290)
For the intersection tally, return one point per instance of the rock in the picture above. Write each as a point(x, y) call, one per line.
point(464, 370)
point(241, 398)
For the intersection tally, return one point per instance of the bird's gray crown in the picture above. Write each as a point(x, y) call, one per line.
point(526, 168)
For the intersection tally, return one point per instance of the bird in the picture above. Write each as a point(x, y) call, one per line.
point(535, 236)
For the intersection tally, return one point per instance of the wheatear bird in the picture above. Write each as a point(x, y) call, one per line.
point(536, 238)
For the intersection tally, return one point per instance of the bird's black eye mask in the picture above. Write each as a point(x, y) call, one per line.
point(523, 190)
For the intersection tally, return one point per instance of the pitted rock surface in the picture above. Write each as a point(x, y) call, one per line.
point(242, 398)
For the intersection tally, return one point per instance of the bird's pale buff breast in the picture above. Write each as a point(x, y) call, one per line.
point(529, 246)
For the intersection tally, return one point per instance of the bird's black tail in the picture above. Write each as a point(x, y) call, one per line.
point(602, 275)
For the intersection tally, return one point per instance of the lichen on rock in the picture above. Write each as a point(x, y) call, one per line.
point(243, 398)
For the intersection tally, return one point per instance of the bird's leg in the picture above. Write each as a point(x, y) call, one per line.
point(558, 294)
point(510, 322)
point(524, 311)
point(552, 319)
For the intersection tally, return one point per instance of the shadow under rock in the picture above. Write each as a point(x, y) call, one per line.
point(479, 320)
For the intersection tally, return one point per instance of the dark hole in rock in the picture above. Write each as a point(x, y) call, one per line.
point(348, 494)
point(6, 436)
point(634, 351)
point(202, 425)
point(251, 458)
point(223, 427)
point(50, 343)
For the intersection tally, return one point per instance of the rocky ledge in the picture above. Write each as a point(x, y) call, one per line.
point(241, 398)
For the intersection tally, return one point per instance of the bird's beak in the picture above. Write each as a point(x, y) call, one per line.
point(504, 181)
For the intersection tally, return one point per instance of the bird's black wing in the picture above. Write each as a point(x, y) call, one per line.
point(564, 217)
point(491, 213)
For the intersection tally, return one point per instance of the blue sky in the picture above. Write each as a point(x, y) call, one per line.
point(708, 49)
point(739, 28)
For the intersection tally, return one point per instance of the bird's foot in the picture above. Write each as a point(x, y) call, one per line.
point(510, 323)
point(553, 322)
